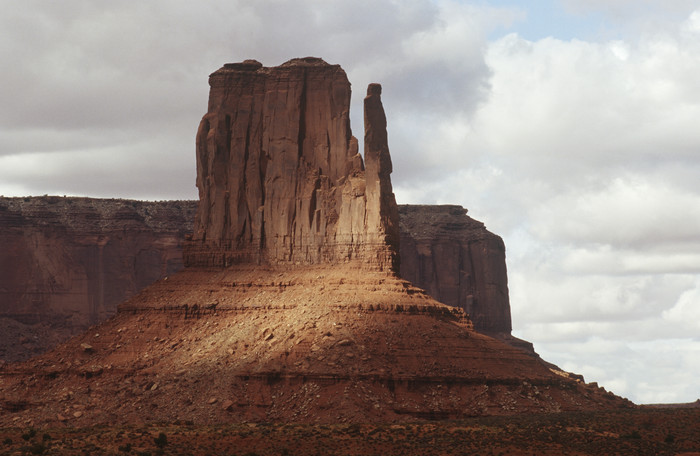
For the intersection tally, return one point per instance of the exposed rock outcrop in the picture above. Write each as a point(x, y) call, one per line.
point(453, 257)
point(458, 262)
point(65, 263)
point(279, 175)
point(290, 308)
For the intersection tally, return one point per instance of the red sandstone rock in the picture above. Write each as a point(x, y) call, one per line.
point(278, 172)
point(382, 216)
point(311, 322)
point(458, 261)
point(349, 344)
point(65, 263)
point(453, 257)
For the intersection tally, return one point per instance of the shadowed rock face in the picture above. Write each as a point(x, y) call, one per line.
point(279, 175)
point(280, 181)
point(458, 262)
point(65, 263)
point(52, 250)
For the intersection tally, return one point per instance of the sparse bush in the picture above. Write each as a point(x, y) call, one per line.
point(670, 438)
point(161, 441)
point(633, 435)
point(7, 441)
point(45, 437)
point(37, 448)
point(125, 448)
point(29, 434)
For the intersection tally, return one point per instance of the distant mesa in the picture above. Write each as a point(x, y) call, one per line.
point(458, 262)
point(78, 282)
point(246, 65)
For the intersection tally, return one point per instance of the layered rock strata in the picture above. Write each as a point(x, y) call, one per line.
point(450, 255)
point(65, 263)
point(279, 174)
point(458, 262)
point(303, 344)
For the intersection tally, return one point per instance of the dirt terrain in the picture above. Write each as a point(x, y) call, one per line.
point(304, 344)
point(631, 432)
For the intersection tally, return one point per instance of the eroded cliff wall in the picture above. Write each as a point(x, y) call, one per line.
point(279, 174)
point(289, 307)
point(65, 263)
point(458, 262)
point(280, 182)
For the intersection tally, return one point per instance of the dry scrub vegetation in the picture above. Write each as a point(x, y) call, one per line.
point(637, 432)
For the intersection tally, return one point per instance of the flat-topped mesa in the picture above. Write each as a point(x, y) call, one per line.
point(458, 262)
point(279, 175)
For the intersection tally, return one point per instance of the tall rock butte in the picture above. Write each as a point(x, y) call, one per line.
point(290, 308)
point(279, 174)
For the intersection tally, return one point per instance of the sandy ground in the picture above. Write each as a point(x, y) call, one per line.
point(630, 432)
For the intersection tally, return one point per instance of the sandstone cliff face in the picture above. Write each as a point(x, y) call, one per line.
point(50, 247)
point(458, 262)
point(66, 263)
point(279, 175)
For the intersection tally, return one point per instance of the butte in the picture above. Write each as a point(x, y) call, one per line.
point(290, 307)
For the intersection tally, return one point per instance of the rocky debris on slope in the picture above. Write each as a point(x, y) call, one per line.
point(67, 262)
point(303, 344)
point(452, 256)
point(279, 174)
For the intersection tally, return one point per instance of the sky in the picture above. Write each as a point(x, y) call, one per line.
point(569, 127)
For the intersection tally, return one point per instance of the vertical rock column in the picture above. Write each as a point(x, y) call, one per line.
point(382, 216)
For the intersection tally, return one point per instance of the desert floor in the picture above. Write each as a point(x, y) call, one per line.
point(638, 432)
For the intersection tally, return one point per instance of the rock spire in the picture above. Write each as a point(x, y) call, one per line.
point(279, 175)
